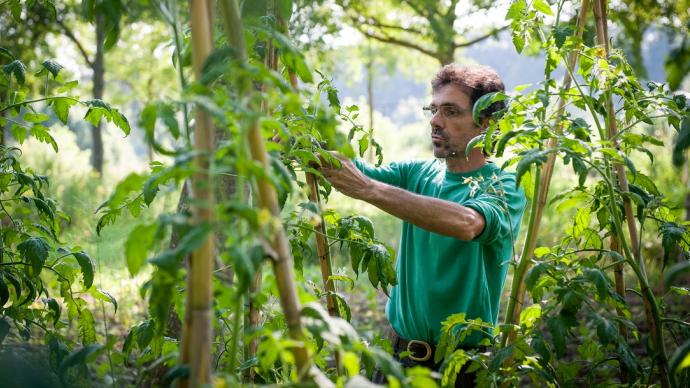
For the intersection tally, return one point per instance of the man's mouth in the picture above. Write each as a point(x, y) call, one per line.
point(437, 138)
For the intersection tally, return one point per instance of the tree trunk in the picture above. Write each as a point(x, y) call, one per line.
point(98, 88)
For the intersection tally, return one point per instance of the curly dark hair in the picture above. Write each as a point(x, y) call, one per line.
point(475, 80)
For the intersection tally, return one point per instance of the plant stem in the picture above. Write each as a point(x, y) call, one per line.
point(517, 290)
point(235, 333)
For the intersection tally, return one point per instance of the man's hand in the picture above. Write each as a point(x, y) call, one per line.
point(347, 178)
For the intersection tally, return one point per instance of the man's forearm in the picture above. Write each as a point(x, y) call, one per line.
point(433, 214)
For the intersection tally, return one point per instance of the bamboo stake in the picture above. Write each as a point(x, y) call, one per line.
point(517, 294)
point(268, 200)
point(322, 249)
point(196, 341)
point(651, 308)
point(254, 316)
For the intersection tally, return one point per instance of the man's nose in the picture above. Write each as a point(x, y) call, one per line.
point(436, 119)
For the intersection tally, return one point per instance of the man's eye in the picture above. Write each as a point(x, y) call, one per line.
point(450, 112)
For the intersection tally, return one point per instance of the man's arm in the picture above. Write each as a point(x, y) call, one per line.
point(435, 215)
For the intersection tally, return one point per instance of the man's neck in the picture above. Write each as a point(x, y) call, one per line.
point(461, 164)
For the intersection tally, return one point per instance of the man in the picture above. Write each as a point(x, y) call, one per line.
point(460, 218)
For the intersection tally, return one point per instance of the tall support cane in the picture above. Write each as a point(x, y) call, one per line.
point(196, 339)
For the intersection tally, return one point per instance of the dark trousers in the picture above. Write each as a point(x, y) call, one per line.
point(462, 380)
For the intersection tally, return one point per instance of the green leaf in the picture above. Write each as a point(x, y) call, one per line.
point(166, 112)
point(137, 246)
point(294, 61)
point(597, 276)
point(540, 347)
point(485, 102)
point(517, 10)
point(372, 271)
point(348, 280)
point(543, 7)
point(80, 356)
point(121, 122)
point(191, 241)
point(357, 253)
point(41, 134)
point(54, 306)
point(97, 109)
point(104, 296)
point(560, 33)
point(67, 86)
point(681, 358)
point(147, 117)
point(52, 66)
point(530, 315)
point(558, 333)
point(7, 53)
point(87, 327)
point(503, 141)
point(16, 10)
point(534, 274)
point(31, 117)
point(17, 69)
point(671, 237)
point(43, 208)
point(473, 144)
point(363, 145)
point(365, 226)
point(61, 106)
point(35, 251)
point(527, 159)
point(606, 331)
point(682, 142)
point(87, 267)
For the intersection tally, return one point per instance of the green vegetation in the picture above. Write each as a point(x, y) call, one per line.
point(227, 259)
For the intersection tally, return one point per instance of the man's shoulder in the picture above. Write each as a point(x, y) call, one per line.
point(421, 165)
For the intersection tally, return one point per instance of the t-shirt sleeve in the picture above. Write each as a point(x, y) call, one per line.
point(502, 204)
point(393, 174)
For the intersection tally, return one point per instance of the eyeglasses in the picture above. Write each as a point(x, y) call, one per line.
point(447, 111)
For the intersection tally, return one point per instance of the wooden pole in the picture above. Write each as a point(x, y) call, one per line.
point(254, 316)
point(196, 341)
point(651, 308)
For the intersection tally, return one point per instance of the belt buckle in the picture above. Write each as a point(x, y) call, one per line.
point(426, 346)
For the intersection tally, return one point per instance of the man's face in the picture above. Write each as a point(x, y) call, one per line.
point(452, 126)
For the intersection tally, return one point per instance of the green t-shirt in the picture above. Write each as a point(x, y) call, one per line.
point(440, 275)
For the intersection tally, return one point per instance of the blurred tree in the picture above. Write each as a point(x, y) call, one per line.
point(105, 16)
point(433, 28)
point(637, 17)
